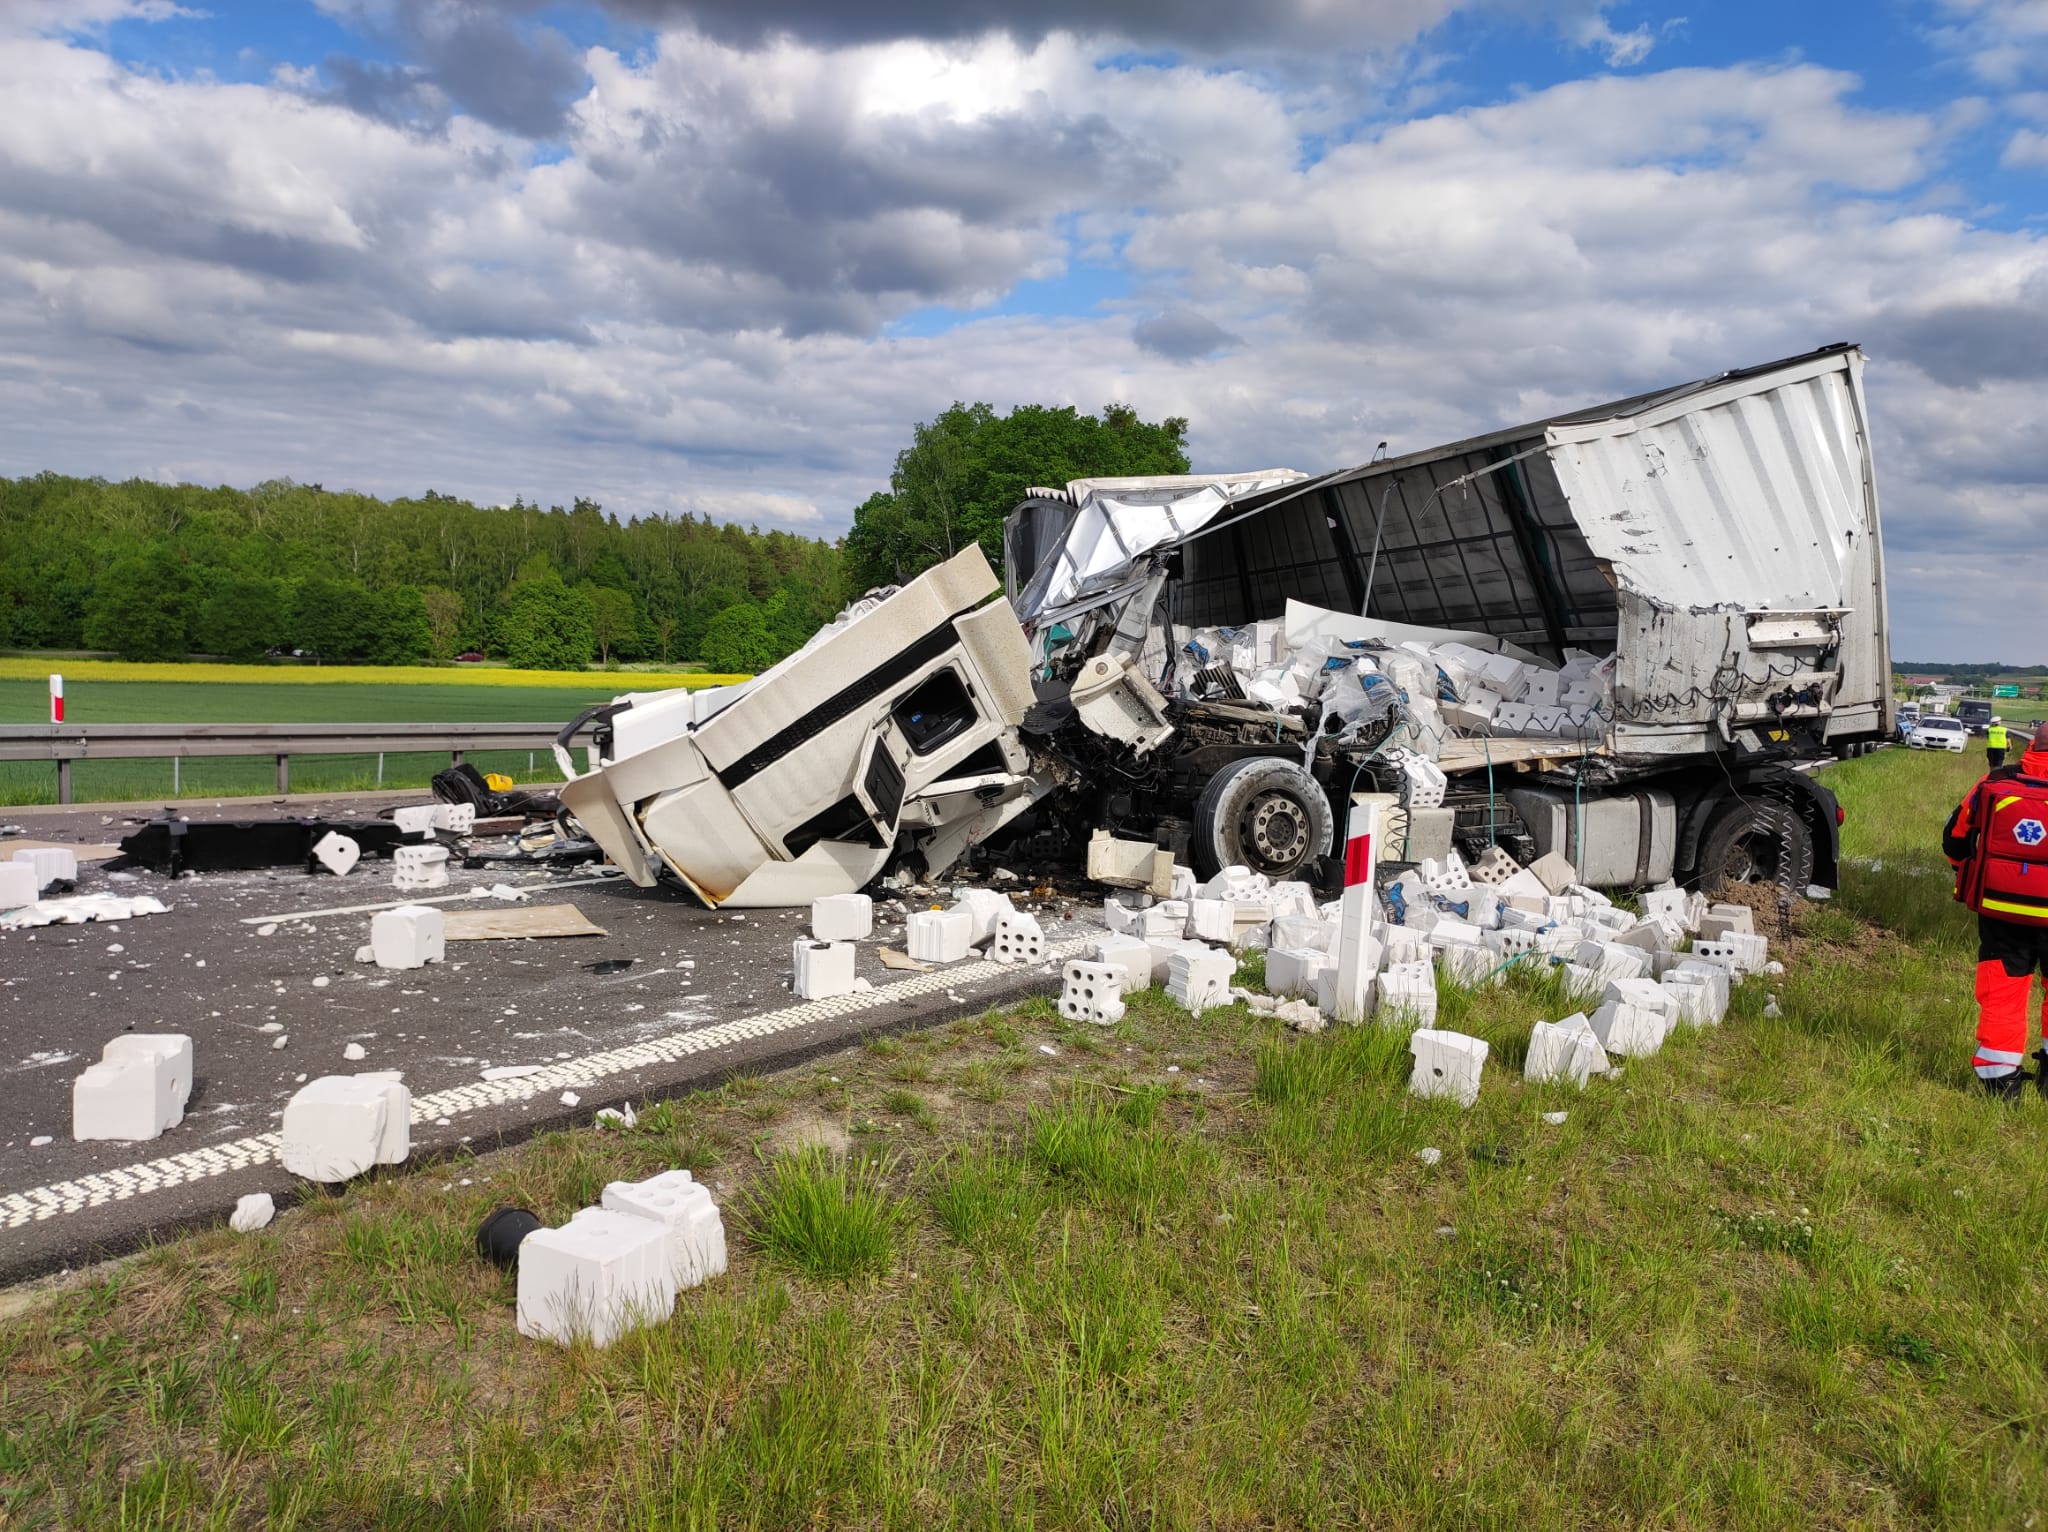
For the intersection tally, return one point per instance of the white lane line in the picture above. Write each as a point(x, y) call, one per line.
point(19, 1209)
point(392, 904)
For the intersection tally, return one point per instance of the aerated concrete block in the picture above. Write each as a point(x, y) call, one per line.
point(18, 885)
point(337, 853)
point(1212, 920)
point(824, 970)
point(1234, 883)
point(1092, 992)
point(1447, 1064)
point(1673, 904)
point(1200, 979)
point(456, 818)
point(1469, 965)
point(415, 818)
point(1293, 972)
point(600, 1275)
point(1611, 960)
point(1129, 955)
point(984, 907)
point(1429, 834)
point(1564, 1050)
point(410, 936)
point(940, 936)
point(419, 867)
point(682, 1206)
point(1446, 875)
point(842, 918)
point(1553, 872)
point(137, 1090)
point(1631, 1021)
point(1493, 867)
point(1406, 995)
point(1018, 939)
point(1719, 919)
point(339, 1126)
point(51, 864)
point(1692, 999)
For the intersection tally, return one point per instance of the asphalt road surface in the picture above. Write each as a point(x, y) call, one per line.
point(272, 996)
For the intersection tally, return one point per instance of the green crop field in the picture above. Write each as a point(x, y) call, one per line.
point(90, 701)
point(1182, 1271)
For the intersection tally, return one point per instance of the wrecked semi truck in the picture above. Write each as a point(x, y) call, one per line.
point(1616, 634)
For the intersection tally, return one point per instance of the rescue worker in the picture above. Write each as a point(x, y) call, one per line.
point(1995, 743)
point(1997, 840)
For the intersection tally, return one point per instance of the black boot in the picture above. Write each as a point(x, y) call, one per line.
point(2041, 1079)
point(2005, 1087)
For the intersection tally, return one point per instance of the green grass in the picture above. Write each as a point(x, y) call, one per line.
point(89, 702)
point(1784, 1274)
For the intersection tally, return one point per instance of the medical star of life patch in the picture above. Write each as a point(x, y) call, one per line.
point(2029, 832)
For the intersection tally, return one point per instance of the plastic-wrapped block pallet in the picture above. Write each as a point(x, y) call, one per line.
point(1447, 1064)
point(137, 1089)
point(824, 970)
point(1199, 980)
point(51, 864)
point(1018, 939)
point(1407, 994)
point(411, 936)
point(1564, 1050)
point(1092, 992)
point(419, 867)
point(842, 918)
point(939, 936)
point(600, 1275)
point(18, 885)
point(984, 907)
point(1293, 972)
point(340, 1126)
point(682, 1206)
point(1131, 956)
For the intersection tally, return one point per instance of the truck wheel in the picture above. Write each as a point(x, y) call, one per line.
point(1744, 843)
point(1263, 813)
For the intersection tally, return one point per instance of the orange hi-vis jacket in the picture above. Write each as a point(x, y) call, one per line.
point(1998, 841)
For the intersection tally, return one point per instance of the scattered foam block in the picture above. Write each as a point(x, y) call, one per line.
point(1521, 884)
point(458, 818)
point(1446, 876)
point(18, 885)
point(1092, 992)
point(1018, 939)
point(1718, 920)
point(410, 936)
point(1130, 955)
point(1673, 904)
point(419, 867)
point(824, 970)
point(1293, 972)
point(1303, 933)
point(1469, 965)
point(1493, 867)
point(137, 1089)
point(940, 936)
point(339, 1126)
point(984, 907)
point(1633, 1018)
point(51, 864)
point(1407, 994)
point(1447, 1064)
point(1553, 872)
point(337, 853)
point(682, 1206)
point(1200, 979)
point(1212, 920)
point(1692, 999)
point(1165, 948)
point(1564, 1050)
point(842, 918)
point(601, 1274)
point(415, 819)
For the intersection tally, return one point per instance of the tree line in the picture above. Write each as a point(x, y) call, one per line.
point(161, 571)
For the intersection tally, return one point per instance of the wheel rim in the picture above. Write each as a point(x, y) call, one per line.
point(1274, 828)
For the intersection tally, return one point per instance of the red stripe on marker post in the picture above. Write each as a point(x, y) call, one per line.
point(1360, 834)
point(56, 699)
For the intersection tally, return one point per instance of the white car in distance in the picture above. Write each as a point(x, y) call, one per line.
point(1939, 733)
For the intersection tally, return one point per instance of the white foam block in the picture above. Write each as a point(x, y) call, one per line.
point(18, 885)
point(337, 853)
point(842, 918)
point(1407, 994)
point(410, 936)
point(51, 864)
point(415, 819)
point(600, 1275)
point(940, 936)
point(682, 1205)
point(1199, 979)
point(1092, 992)
point(984, 907)
point(339, 1126)
point(137, 1090)
point(824, 970)
point(1293, 972)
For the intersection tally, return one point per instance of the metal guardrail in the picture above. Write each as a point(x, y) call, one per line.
point(64, 743)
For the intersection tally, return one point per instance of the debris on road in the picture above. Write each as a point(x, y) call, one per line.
point(410, 936)
point(532, 921)
point(138, 1089)
point(253, 1212)
point(80, 909)
point(339, 1126)
point(620, 1265)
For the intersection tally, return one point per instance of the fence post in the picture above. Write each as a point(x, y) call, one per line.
point(284, 773)
point(63, 781)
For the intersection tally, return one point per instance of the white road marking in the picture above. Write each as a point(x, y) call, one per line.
point(19, 1209)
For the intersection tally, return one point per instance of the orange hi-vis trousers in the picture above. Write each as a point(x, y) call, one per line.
point(2007, 957)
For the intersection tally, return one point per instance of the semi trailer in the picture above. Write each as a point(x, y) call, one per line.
point(1623, 634)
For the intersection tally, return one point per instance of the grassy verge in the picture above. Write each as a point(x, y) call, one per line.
point(1182, 1271)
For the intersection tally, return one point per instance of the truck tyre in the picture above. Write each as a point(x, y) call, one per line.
point(1263, 813)
point(1745, 841)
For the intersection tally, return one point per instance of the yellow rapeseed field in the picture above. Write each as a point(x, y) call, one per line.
point(329, 675)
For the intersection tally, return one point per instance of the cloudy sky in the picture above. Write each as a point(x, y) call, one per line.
point(718, 255)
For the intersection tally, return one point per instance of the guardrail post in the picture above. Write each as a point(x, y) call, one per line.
point(63, 781)
point(455, 757)
point(284, 773)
